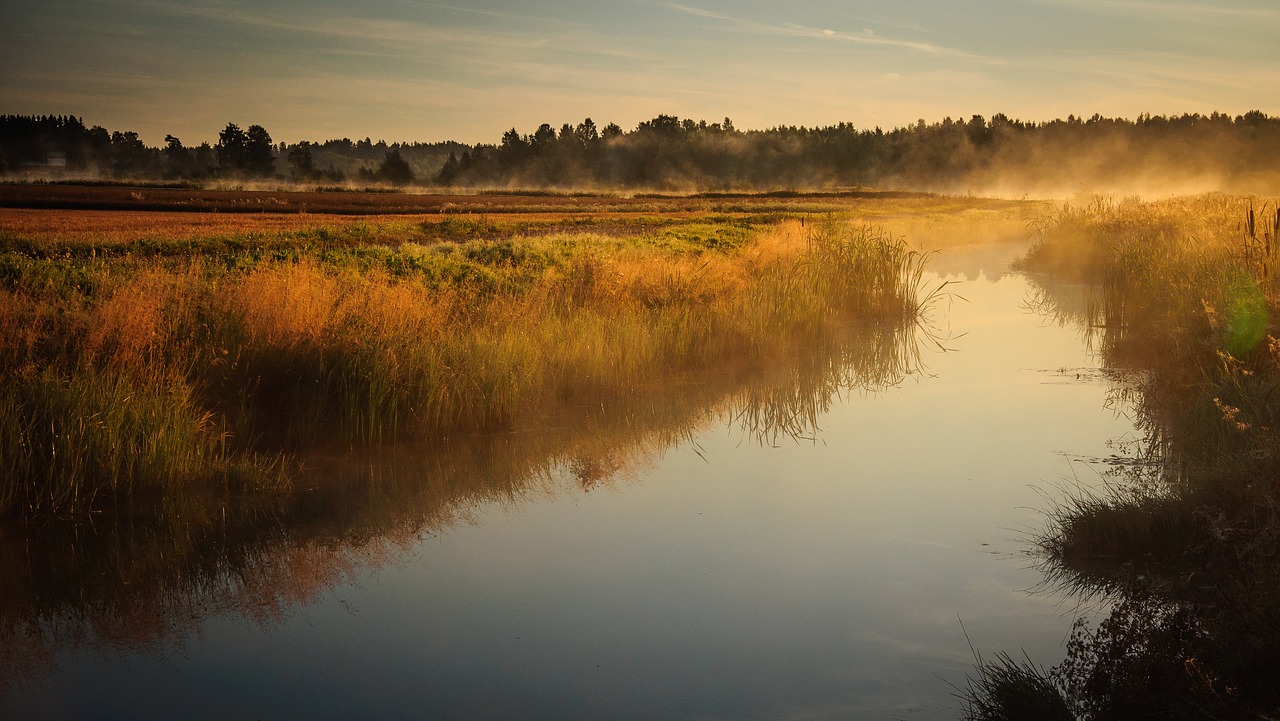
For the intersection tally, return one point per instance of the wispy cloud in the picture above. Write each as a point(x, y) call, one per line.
point(1199, 12)
point(862, 37)
point(1137, 70)
point(699, 12)
point(481, 12)
point(476, 45)
point(1173, 71)
point(345, 27)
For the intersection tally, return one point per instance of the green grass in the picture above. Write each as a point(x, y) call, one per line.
point(70, 442)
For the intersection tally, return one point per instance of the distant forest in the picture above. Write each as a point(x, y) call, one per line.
point(1000, 154)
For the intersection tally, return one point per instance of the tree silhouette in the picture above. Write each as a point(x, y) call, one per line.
point(954, 155)
point(232, 149)
point(302, 164)
point(259, 157)
point(129, 156)
point(178, 161)
point(394, 169)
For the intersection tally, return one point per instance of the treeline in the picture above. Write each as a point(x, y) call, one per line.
point(952, 155)
point(1184, 152)
point(64, 144)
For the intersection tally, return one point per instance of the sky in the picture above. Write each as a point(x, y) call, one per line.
point(410, 70)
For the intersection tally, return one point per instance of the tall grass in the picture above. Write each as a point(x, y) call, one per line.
point(143, 369)
point(1184, 544)
point(1006, 689)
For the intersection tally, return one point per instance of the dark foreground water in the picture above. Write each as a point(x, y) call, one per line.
point(764, 550)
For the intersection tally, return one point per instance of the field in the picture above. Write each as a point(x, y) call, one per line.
point(381, 202)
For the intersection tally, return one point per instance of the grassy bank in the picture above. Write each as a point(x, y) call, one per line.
point(1183, 546)
point(124, 581)
point(134, 368)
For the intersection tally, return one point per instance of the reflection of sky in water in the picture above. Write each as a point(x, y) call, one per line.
point(730, 580)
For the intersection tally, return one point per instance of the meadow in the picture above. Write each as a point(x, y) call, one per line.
point(150, 353)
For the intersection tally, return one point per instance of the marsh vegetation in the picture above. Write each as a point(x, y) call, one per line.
point(129, 580)
point(1181, 546)
point(136, 368)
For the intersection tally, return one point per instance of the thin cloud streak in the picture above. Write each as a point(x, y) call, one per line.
point(758, 27)
point(1199, 13)
point(1138, 69)
point(353, 28)
point(415, 37)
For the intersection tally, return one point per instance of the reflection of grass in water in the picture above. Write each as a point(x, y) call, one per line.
point(1110, 542)
point(567, 343)
point(1186, 549)
point(147, 581)
point(571, 345)
point(108, 432)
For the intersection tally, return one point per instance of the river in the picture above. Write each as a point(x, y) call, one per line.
point(677, 564)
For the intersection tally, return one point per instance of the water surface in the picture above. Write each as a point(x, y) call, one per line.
point(655, 559)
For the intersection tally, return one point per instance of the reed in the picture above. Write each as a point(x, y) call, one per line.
point(1007, 689)
point(70, 443)
point(1183, 541)
point(242, 347)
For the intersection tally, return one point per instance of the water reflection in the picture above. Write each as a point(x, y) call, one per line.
point(132, 582)
point(1181, 549)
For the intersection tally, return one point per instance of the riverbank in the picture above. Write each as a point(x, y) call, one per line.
point(138, 365)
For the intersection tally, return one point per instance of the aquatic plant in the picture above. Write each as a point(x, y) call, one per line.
point(1007, 689)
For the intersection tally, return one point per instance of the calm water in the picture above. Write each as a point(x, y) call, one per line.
point(668, 565)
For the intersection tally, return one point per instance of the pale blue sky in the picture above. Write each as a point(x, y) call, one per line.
point(414, 70)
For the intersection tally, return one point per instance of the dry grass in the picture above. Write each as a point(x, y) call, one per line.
point(280, 345)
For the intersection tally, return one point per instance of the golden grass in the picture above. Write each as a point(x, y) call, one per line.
point(282, 346)
point(285, 306)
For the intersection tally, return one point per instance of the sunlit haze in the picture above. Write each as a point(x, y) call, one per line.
point(403, 70)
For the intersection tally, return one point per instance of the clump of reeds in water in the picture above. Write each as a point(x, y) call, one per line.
point(131, 373)
point(1007, 689)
